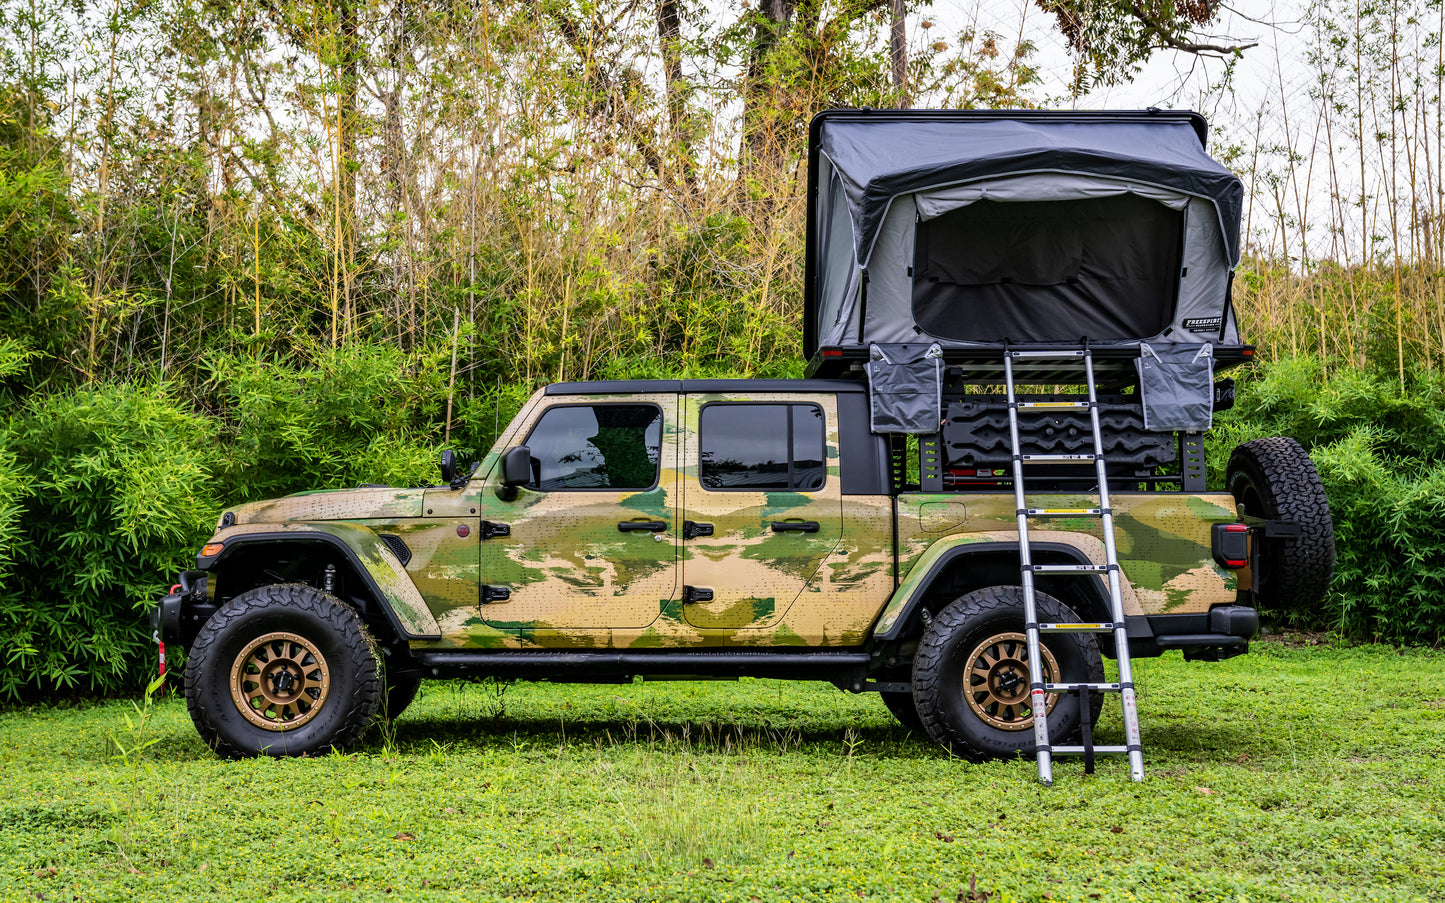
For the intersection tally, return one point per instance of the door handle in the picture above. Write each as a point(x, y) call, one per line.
point(692, 594)
point(691, 529)
point(795, 526)
point(492, 593)
point(647, 526)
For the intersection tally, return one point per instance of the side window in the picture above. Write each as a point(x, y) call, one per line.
point(761, 447)
point(602, 446)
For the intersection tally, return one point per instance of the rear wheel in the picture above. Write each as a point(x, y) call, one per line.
point(971, 674)
point(904, 709)
point(1275, 479)
point(283, 670)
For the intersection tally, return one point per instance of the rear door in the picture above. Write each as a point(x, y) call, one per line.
point(762, 507)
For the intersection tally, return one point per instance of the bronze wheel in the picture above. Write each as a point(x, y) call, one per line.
point(971, 674)
point(283, 670)
point(280, 681)
point(997, 681)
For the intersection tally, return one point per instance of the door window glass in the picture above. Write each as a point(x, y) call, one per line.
point(762, 447)
point(605, 446)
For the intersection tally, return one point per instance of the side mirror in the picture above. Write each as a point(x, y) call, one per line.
point(448, 465)
point(517, 467)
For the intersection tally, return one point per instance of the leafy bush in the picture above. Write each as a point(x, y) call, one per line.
point(362, 413)
point(14, 487)
point(116, 487)
point(1380, 453)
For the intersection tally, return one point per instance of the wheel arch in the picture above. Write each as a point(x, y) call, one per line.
point(966, 567)
point(375, 581)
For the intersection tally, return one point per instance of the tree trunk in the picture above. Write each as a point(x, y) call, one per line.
point(346, 158)
point(680, 125)
point(762, 147)
point(898, 51)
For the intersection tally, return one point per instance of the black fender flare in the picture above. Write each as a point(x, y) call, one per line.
point(910, 606)
point(384, 577)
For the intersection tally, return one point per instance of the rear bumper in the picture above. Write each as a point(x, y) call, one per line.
point(1220, 633)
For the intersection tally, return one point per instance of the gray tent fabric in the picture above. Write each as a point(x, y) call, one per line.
point(1038, 187)
point(972, 229)
point(905, 388)
point(877, 165)
point(1177, 384)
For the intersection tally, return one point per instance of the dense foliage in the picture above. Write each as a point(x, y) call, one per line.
point(1381, 455)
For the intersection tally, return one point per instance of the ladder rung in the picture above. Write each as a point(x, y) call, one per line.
point(1076, 627)
point(1056, 459)
point(1053, 404)
point(1069, 568)
point(1064, 512)
point(1064, 688)
point(1047, 355)
point(1079, 750)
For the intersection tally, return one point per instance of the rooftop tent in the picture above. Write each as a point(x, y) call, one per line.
point(975, 228)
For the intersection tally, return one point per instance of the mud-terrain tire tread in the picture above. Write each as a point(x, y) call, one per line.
point(968, 616)
point(361, 655)
point(903, 707)
point(1296, 572)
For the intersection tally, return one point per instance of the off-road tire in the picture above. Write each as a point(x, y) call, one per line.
point(400, 691)
point(352, 690)
point(1275, 479)
point(903, 707)
point(940, 669)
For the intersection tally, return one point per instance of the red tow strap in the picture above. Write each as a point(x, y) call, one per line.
point(161, 643)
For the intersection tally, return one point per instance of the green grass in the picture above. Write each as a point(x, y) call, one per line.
point(1294, 773)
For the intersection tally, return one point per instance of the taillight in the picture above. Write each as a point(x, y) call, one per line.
point(832, 352)
point(1231, 545)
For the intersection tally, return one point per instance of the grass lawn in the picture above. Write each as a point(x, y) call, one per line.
point(1294, 773)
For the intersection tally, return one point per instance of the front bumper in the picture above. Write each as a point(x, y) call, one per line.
point(166, 616)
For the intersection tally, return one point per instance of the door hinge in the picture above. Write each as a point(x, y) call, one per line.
point(491, 529)
point(696, 594)
point(491, 593)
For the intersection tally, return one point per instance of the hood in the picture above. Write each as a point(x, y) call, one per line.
point(335, 504)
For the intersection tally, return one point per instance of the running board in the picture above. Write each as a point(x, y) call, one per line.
point(570, 665)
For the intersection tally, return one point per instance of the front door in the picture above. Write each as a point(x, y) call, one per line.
point(591, 543)
point(761, 508)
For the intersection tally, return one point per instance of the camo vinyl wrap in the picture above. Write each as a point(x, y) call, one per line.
point(577, 581)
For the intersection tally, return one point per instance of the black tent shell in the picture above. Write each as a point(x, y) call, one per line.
point(977, 228)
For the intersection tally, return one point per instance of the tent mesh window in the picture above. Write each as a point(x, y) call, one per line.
point(1106, 268)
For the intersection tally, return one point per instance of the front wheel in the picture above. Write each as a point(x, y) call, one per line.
point(401, 689)
point(283, 670)
point(971, 674)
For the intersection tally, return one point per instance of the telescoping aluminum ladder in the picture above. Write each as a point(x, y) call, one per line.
point(1110, 569)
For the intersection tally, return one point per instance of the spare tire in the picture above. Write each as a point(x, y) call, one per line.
point(1276, 480)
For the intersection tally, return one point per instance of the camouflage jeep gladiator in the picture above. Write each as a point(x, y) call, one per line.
point(859, 526)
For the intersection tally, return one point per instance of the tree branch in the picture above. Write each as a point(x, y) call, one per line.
point(603, 82)
point(1165, 35)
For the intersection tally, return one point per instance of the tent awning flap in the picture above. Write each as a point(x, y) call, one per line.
point(1038, 187)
